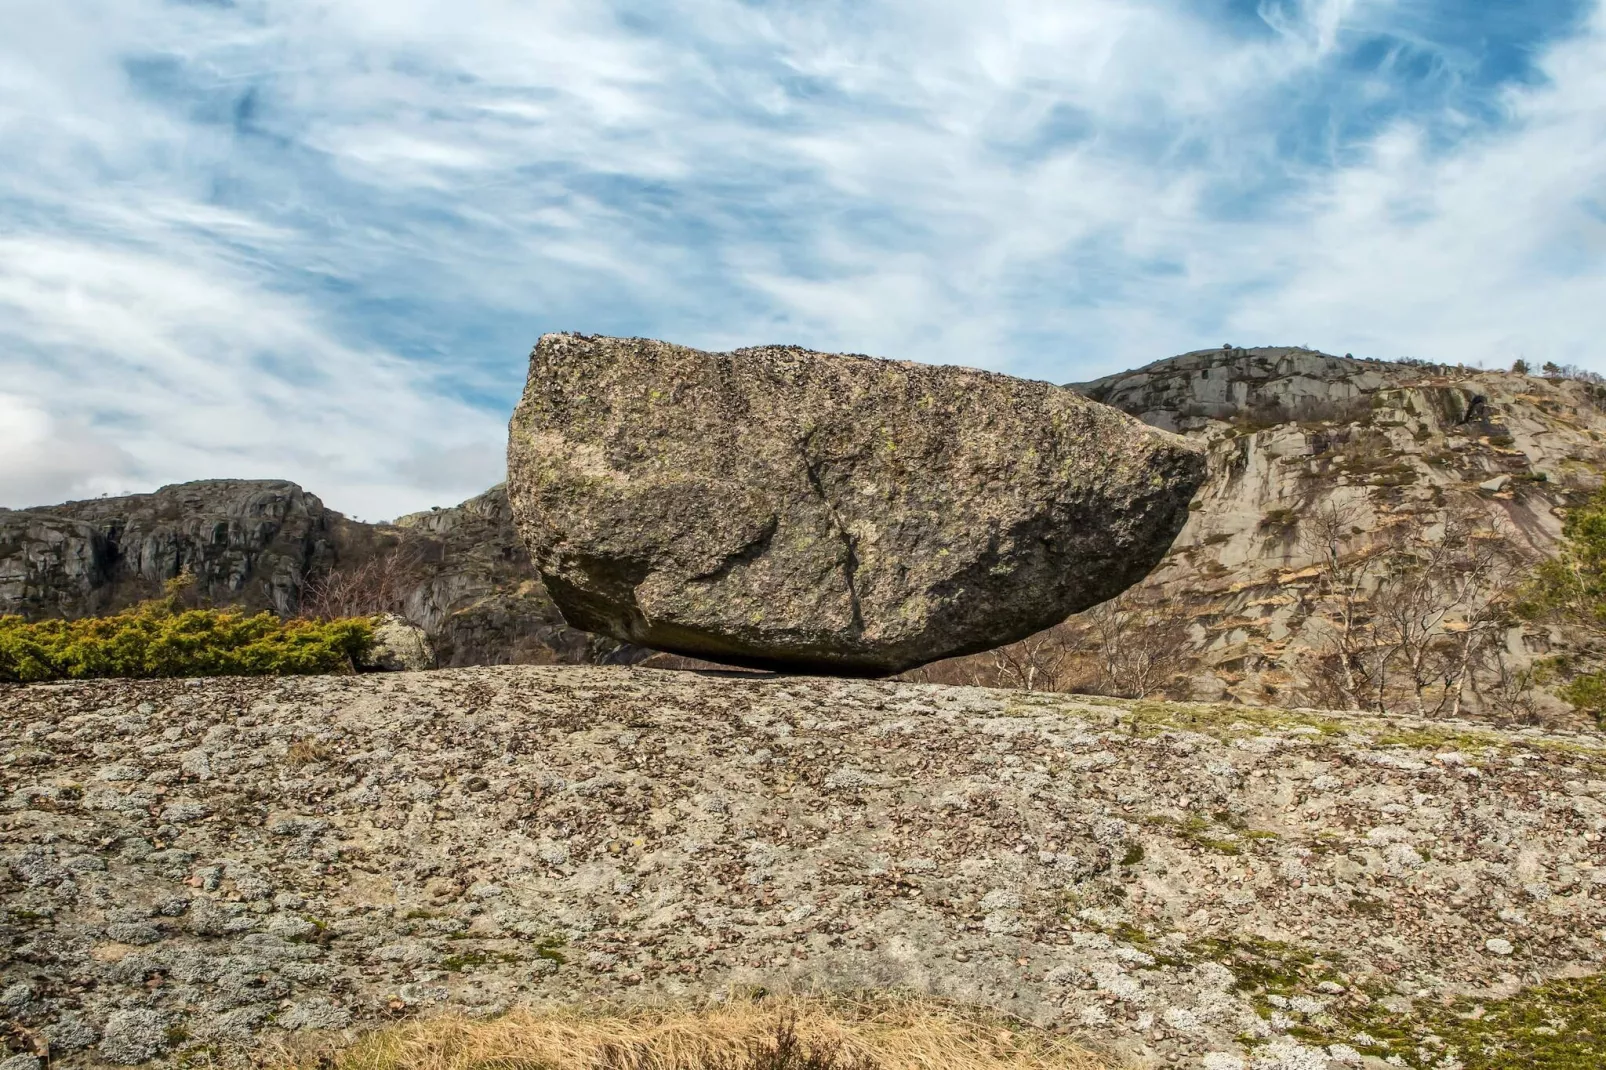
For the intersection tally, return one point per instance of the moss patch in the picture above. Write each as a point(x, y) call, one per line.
point(1222, 833)
point(1560, 1025)
point(468, 960)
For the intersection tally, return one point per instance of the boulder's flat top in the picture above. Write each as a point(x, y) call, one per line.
point(218, 862)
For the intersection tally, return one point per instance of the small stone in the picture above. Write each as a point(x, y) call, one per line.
point(136, 933)
point(1283, 1053)
point(399, 646)
point(288, 926)
point(22, 1062)
point(119, 773)
point(1221, 1060)
point(1181, 1019)
point(1498, 946)
point(180, 813)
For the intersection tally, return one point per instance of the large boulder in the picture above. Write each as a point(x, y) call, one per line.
point(787, 509)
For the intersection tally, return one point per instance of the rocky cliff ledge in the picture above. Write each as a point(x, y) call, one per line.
point(249, 542)
point(202, 867)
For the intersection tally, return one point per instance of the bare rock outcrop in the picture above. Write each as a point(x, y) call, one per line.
point(192, 873)
point(471, 586)
point(1394, 450)
point(247, 542)
point(784, 508)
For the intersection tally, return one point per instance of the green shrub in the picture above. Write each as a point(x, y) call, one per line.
point(1570, 589)
point(160, 638)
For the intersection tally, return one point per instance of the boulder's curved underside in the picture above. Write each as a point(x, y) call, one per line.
point(797, 510)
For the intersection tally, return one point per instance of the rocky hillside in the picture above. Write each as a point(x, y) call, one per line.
point(461, 573)
point(193, 869)
point(1391, 451)
point(251, 543)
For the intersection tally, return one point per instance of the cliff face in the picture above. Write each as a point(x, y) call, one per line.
point(461, 573)
point(1317, 459)
point(250, 543)
point(475, 590)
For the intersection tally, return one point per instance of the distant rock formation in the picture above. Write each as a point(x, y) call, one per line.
point(461, 573)
point(247, 542)
point(798, 510)
point(1273, 384)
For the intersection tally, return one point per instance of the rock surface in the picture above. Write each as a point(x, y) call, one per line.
point(477, 595)
point(194, 870)
point(785, 508)
point(1292, 432)
point(399, 646)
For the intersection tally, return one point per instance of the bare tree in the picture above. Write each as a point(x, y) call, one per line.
point(1347, 668)
point(377, 585)
point(1138, 646)
point(1036, 663)
point(1410, 617)
point(1442, 606)
point(1508, 690)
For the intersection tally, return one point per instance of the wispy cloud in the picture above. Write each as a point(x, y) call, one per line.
point(315, 240)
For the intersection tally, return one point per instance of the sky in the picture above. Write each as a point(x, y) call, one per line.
point(316, 240)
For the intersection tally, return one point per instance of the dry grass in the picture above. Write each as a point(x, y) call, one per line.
point(306, 751)
point(791, 1034)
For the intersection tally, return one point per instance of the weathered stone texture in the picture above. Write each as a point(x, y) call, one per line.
point(780, 507)
point(220, 864)
point(1292, 433)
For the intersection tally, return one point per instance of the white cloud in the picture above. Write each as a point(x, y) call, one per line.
point(199, 373)
point(1491, 251)
point(43, 461)
point(290, 240)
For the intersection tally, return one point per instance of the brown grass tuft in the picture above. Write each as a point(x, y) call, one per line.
point(306, 751)
point(790, 1034)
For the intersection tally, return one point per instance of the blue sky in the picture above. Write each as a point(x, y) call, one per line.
point(316, 240)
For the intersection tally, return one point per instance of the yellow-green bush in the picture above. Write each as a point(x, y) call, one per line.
point(161, 638)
